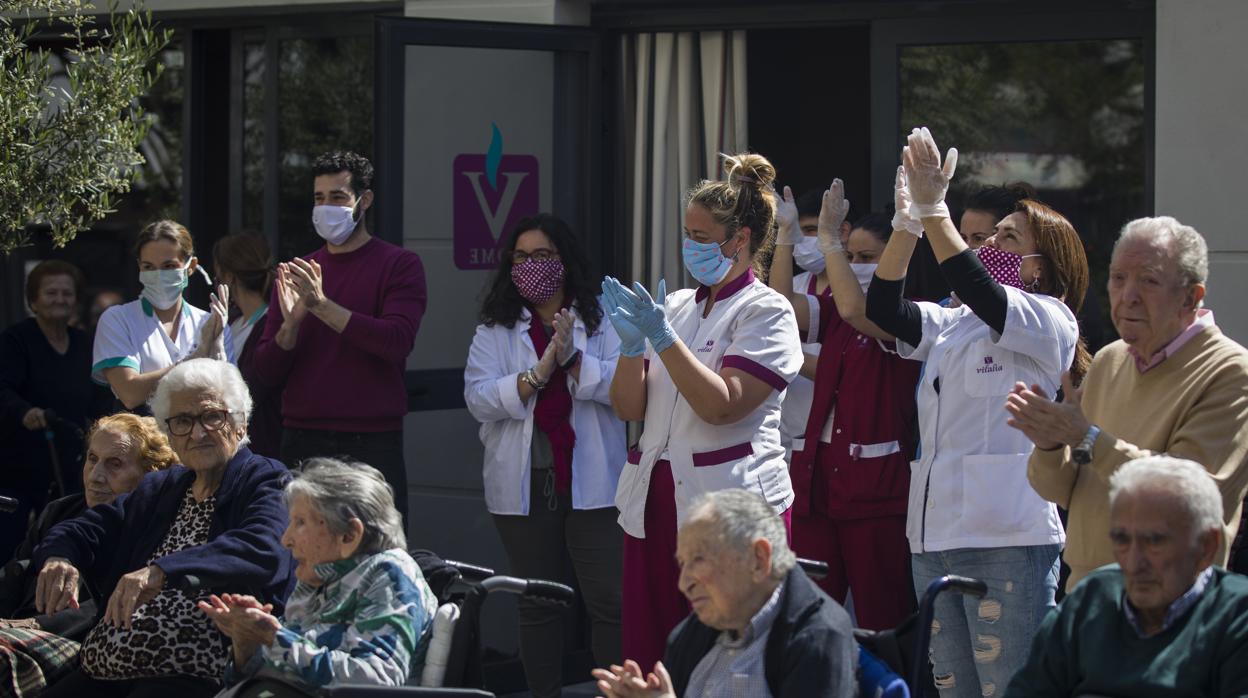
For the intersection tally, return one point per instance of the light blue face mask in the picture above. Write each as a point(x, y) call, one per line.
point(163, 287)
point(706, 261)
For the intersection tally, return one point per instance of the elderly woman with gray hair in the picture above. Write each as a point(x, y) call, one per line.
point(759, 627)
point(361, 613)
point(217, 517)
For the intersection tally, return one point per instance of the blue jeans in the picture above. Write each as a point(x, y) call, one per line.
point(978, 644)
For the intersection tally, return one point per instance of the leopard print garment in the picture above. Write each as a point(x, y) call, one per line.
point(169, 635)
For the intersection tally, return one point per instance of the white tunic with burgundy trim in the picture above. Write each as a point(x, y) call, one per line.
point(750, 328)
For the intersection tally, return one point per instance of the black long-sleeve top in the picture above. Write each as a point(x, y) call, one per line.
point(966, 276)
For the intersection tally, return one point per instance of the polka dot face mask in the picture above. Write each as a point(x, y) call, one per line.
point(538, 280)
point(1004, 267)
point(706, 261)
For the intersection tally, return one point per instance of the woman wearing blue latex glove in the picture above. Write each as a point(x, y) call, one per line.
point(709, 388)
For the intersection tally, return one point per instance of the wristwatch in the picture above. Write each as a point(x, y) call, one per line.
point(567, 365)
point(1082, 454)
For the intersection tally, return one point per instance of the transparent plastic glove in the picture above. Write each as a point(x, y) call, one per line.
point(788, 231)
point(831, 215)
point(927, 178)
point(639, 307)
point(632, 339)
point(902, 220)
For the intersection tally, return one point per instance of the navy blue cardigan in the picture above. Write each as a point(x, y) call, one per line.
point(244, 552)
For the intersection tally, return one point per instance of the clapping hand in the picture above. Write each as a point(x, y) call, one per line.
point(928, 179)
point(306, 275)
point(563, 338)
point(212, 334)
point(628, 681)
point(639, 308)
point(832, 214)
point(1048, 424)
point(902, 218)
point(632, 338)
point(292, 306)
point(788, 232)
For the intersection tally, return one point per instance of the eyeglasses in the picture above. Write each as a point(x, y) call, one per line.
point(182, 424)
point(520, 257)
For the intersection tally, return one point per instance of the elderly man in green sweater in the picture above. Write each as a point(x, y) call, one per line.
point(1174, 384)
point(1163, 621)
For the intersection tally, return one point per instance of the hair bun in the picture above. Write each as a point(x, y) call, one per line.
point(749, 169)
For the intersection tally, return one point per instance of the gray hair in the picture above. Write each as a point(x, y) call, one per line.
point(744, 517)
point(342, 491)
point(1185, 246)
point(221, 378)
point(1190, 484)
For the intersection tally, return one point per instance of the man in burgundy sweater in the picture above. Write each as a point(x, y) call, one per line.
point(348, 320)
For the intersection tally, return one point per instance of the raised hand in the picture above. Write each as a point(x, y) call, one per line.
point(1048, 424)
point(565, 326)
point(831, 215)
point(639, 307)
point(632, 338)
point(788, 231)
point(306, 273)
point(292, 306)
point(902, 218)
point(927, 178)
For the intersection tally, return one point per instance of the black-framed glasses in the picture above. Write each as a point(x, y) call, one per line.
point(520, 256)
point(212, 420)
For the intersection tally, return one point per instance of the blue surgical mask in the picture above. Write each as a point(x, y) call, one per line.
point(706, 261)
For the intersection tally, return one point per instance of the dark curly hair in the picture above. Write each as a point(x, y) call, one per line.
point(346, 161)
point(503, 302)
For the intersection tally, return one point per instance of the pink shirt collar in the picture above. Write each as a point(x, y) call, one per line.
point(1204, 318)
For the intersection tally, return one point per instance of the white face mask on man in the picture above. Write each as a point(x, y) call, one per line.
point(335, 223)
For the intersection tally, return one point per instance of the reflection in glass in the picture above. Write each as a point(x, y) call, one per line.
point(325, 102)
point(253, 135)
point(1067, 117)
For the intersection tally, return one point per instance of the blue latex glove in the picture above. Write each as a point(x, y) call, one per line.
point(638, 307)
point(632, 339)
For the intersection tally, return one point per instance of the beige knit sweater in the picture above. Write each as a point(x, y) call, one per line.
point(1193, 405)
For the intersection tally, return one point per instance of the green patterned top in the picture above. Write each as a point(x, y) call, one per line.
point(368, 623)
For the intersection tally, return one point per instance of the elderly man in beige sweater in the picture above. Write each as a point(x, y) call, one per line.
point(1173, 384)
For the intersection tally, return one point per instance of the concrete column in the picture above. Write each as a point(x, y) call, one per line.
point(1202, 140)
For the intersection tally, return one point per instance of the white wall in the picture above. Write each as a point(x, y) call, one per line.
point(1202, 140)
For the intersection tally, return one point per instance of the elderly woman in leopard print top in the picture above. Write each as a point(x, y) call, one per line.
point(218, 517)
point(361, 612)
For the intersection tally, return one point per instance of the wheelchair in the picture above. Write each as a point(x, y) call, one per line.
point(453, 659)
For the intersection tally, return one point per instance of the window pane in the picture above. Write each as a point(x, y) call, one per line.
point(253, 135)
point(325, 96)
point(1067, 117)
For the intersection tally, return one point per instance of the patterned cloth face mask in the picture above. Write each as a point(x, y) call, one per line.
point(538, 280)
point(1004, 267)
point(706, 261)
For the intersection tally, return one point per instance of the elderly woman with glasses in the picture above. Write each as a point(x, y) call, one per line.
point(361, 613)
point(217, 517)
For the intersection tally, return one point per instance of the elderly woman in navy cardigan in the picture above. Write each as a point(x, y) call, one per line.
point(218, 517)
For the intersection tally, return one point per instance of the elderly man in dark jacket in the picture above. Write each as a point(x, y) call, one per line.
point(759, 626)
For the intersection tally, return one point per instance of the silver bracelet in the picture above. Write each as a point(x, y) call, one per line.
point(530, 377)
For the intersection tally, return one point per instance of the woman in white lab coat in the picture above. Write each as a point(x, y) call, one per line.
point(538, 379)
point(709, 388)
point(972, 511)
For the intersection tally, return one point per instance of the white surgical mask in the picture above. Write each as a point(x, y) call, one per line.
point(807, 254)
point(864, 273)
point(334, 223)
point(163, 287)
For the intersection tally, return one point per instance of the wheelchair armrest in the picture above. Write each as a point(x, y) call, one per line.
point(532, 588)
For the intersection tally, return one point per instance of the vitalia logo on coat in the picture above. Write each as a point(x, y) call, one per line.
point(710, 344)
point(490, 194)
point(989, 366)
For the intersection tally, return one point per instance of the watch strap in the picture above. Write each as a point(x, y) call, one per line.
point(567, 365)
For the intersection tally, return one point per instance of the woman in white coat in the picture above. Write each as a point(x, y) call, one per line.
point(972, 511)
point(538, 379)
point(709, 389)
